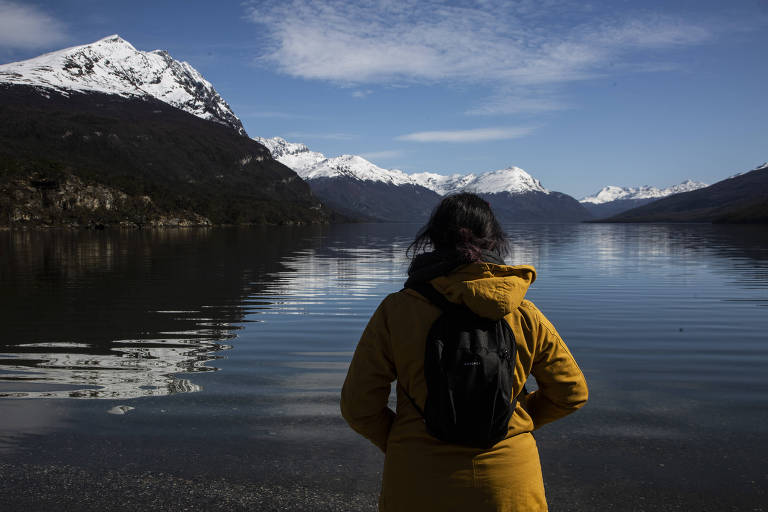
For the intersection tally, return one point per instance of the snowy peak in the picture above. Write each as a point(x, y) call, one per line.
point(280, 147)
point(359, 168)
point(312, 165)
point(294, 155)
point(443, 184)
point(113, 66)
point(512, 180)
point(614, 193)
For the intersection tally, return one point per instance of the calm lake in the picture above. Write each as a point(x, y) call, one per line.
point(146, 361)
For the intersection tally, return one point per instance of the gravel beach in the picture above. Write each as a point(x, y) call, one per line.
point(79, 471)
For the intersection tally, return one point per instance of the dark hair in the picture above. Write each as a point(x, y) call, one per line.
point(464, 223)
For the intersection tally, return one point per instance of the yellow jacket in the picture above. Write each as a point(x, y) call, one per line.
point(422, 473)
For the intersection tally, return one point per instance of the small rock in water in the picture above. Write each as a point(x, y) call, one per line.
point(120, 409)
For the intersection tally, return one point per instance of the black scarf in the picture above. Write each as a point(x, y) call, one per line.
point(429, 265)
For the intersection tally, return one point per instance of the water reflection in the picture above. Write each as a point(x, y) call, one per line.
point(121, 314)
point(134, 368)
point(139, 313)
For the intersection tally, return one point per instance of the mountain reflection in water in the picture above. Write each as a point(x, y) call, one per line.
point(119, 314)
point(127, 314)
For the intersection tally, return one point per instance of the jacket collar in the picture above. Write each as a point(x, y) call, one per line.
point(489, 288)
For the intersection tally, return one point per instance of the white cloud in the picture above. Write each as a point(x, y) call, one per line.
point(24, 26)
point(495, 42)
point(475, 135)
point(518, 100)
point(500, 46)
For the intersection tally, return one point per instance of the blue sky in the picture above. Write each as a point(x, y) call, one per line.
point(579, 94)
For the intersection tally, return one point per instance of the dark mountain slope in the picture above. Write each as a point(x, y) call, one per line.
point(615, 207)
point(742, 198)
point(536, 206)
point(375, 200)
point(166, 163)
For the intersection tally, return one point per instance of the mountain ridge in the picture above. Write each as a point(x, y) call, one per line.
point(612, 192)
point(312, 165)
point(741, 198)
point(613, 200)
point(103, 135)
point(112, 65)
point(352, 184)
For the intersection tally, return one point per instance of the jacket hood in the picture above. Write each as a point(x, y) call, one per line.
point(489, 288)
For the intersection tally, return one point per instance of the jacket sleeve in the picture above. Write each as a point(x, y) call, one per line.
point(562, 386)
point(366, 389)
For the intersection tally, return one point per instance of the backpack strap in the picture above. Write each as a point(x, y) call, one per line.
point(433, 296)
point(437, 299)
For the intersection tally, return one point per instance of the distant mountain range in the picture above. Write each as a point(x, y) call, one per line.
point(612, 200)
point(103, 134)
point(359, 188)
point(742, 198)
point(355, 186)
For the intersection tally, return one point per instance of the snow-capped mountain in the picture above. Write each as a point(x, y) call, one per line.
point(741, 198)
point(356, 167)
point(313, 165)
point(612, 200)
point(441, 183)
point(295, 155)
point(113, 66)
point(614, 193)
point(354, 185)
point(512, 179)
point(103, 134)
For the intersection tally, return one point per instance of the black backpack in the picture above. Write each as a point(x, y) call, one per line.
point(469, 365)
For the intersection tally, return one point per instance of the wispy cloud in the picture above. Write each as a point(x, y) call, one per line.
point(361, 93)
point(517, 100)
point(25, 26)
point(475, 135)
point(487, 41)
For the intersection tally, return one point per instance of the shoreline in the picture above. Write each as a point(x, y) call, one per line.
point(342, 473)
